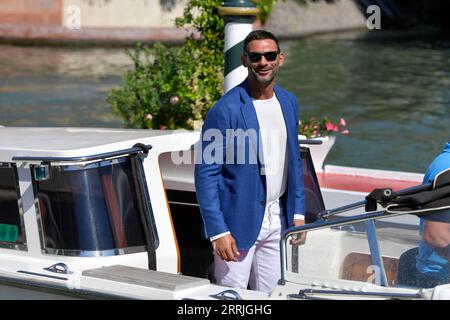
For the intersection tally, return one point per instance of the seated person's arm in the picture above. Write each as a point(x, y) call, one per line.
point(437, 235)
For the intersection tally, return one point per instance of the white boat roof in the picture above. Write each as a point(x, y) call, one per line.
point(67, 141)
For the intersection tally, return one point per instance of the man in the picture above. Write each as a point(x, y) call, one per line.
point(432, 262)
point(251, 187)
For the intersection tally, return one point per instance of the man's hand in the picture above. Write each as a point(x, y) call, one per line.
point(225, 247)
point(299, 238)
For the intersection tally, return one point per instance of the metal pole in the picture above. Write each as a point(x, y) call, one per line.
point(239, 16)
point(375, 253)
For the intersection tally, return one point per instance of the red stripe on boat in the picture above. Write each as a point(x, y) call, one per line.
point(360, 183)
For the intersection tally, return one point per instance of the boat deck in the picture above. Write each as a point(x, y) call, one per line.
point(143, 277)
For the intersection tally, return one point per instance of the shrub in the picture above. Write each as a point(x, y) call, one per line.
point(175, 86)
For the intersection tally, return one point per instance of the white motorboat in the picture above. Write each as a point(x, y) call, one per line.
point(112, 213)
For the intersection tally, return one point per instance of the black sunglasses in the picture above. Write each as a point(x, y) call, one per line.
point(256, 56)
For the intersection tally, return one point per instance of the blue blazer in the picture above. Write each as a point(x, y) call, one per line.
point(232, 196)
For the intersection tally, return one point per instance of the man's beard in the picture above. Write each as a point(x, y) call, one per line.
point(264, 80)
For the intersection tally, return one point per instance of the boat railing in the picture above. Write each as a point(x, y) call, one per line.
point(324, 224)
point(385, 197)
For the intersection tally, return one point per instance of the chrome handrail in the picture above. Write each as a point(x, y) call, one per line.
point(311, 293)
point(331, 212)
point(322, 225)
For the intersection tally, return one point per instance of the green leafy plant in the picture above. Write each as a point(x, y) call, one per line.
point(266, 6)
point(173, 87)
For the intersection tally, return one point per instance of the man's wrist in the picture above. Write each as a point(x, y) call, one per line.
point(299, 216)
point(220, 235)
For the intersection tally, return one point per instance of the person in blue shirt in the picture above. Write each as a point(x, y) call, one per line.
point(432, 261)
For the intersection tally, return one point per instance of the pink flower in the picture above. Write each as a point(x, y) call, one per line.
point(162, 127)
point(174, 100)
point(344, 131)
point(342, 122)
point(149, 117)
point(331, 127)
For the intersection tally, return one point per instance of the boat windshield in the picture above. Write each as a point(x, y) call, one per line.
point(383, 252)
point(91, 209)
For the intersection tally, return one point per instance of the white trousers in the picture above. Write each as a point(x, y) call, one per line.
point(259, 267)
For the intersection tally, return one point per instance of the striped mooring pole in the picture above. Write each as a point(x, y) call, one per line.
point(239, 16)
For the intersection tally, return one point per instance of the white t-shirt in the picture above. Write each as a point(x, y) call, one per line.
point(273, 138)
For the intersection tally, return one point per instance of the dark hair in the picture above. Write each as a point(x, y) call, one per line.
point(260, 35)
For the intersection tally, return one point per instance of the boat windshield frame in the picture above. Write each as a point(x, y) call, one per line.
point(86, 163)
point(22, 246)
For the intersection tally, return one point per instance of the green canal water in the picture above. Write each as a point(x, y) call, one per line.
point(394, 92)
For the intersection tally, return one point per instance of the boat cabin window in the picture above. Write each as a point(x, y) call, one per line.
point(91, 209)
point(11, 234)
point(368, 252)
